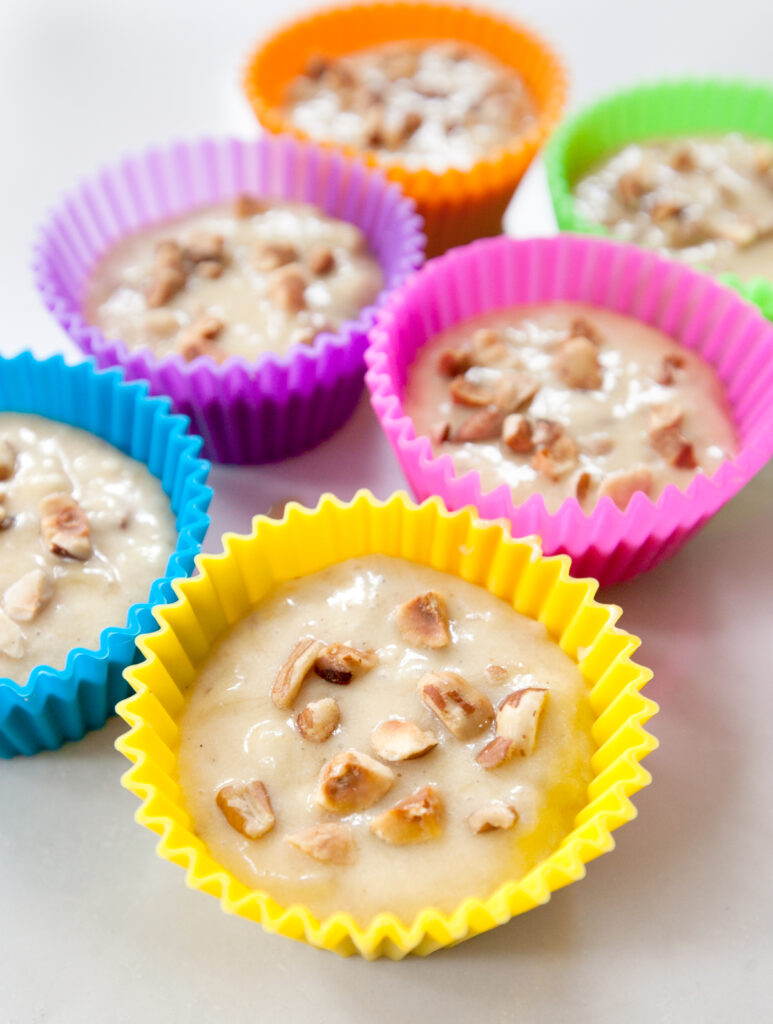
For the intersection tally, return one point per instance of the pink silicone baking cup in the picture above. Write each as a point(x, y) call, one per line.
point(278, 405)
point(690, 307)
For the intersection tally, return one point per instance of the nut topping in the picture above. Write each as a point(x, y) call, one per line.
point(622, 486)
point(352, 781)
point(496, 815)
point(204, 245)
point(577, 363)
point(196, 339)
point(556, 459)
point(271, 255)
point(286, 287)
point(11, 637)
point(321, 260)
point(398, 740)
point(455, 361)
point(319, 720)
point(469, 392)
point(167, 281)
point(517, 433)
point(339, 664)
point(583, 328)
point(634, 184)
point(462, 709)
point(416, 819)
point(247, 808)
point(671, 362)
point(497, 674)
point(495, 753)
point(28, 595)
point(515, 389)
point(485, 425)
point(423, 621)
point(210, 269)
point(330, 843)
point(7, 460)
point(64, 527)
point(519, 716)
point(247, 206)
point(292, 674)
point(666, 437)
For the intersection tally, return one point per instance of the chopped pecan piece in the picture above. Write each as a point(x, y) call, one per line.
point(248, 206)
point(291, 675)
point(319, 720)
point(496, 815)
point(338, 663)
point(518, 718)
point(167, 281)
point(583, 481)
point(484, 425)
point(416, 819)
point(197, 338)
point(577, 363)
point(64, 527)
point(557, 458)
point(286, 287)
point(515, 389)
point(269, 256)
point(247, 808)
point(495, 753)
point(517, 433)
point(671, 362)
point(410, 124)
point(465, 391)
point(622, 486)
point(7, 460)
point(462, 709)
point(423, 621)
point(321, 260)
point(11, 637)
point(352, 781)
point(330, 843)
point(455, 361)
point(634, 184)
point(205, 245)
point(666, 437)
point(28, 595)
point(399, 740)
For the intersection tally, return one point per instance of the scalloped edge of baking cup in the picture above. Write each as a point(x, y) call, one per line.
point(231, 584)
point(690, 307)
point(55, 706)
point(457, 205)
point(281, 404)
point(654, 110)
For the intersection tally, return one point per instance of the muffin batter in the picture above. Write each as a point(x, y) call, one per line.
point(243, 279)
point(408, 623)
point(434, 105)
point(84, 531)
point(708, 201)
point(569, 400)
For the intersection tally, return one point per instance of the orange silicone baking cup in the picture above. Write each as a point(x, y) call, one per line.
point(457, 205)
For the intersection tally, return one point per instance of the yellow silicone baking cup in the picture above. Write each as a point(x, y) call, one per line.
point(232, 583)
point(457, 205)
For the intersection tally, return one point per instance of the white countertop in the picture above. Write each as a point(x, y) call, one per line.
point(675, 925)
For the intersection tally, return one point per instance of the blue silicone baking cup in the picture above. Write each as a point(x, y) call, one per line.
point(56, 705)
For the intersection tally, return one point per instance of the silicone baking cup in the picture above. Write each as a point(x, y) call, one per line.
point(688, 306)
point(457, 205)
point(279, 405)
point(54, 706)
point(657, 110)
point(232, 583)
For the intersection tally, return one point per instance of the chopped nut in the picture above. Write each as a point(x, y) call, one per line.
point(666, 437)
point(634, 184)
point(469, 392)
point(247, 808)
point(485, 425)
point(319, 720)
point(352, 781)
point(373, 127)
point(665, 209)
point(440, 432)
point(191, 347)
point(462, 709)
point(416, 819)
point(683, 159)
point(11, 637)
point(740, 232)
point(557, 459)
point(622, 486)
point(497, 674)
point(455, 361)
point(316, 67)
point(269, 256)
point(496, 815)
point(330, 843)
point(598, 444)
point(291, 675)
point(321, 260)
point(7, 460)
point(515, 389)
point(338, 663)
point(547, 432)
point(495, 753)
point(28, 595)
point(517, 433)
point(488, 347)
point(210, 269)
point(248, 206)
point(196, 339)
point(583, 328)
point(204, 245)
point(577, 363)
point(64, 527)
point(671, 362)
point(286, 287)
point(519, 716)
point(399, 740)
point(167, 281)
point(411, 124)
point(168, 254)
point(583, 482)
point(423, 621)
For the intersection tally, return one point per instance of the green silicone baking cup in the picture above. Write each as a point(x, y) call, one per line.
point(656, 110)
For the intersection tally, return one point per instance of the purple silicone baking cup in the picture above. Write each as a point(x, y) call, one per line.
point(279, 405)
point(690, 307)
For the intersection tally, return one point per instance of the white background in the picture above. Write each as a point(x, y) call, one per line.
point(676, 925)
